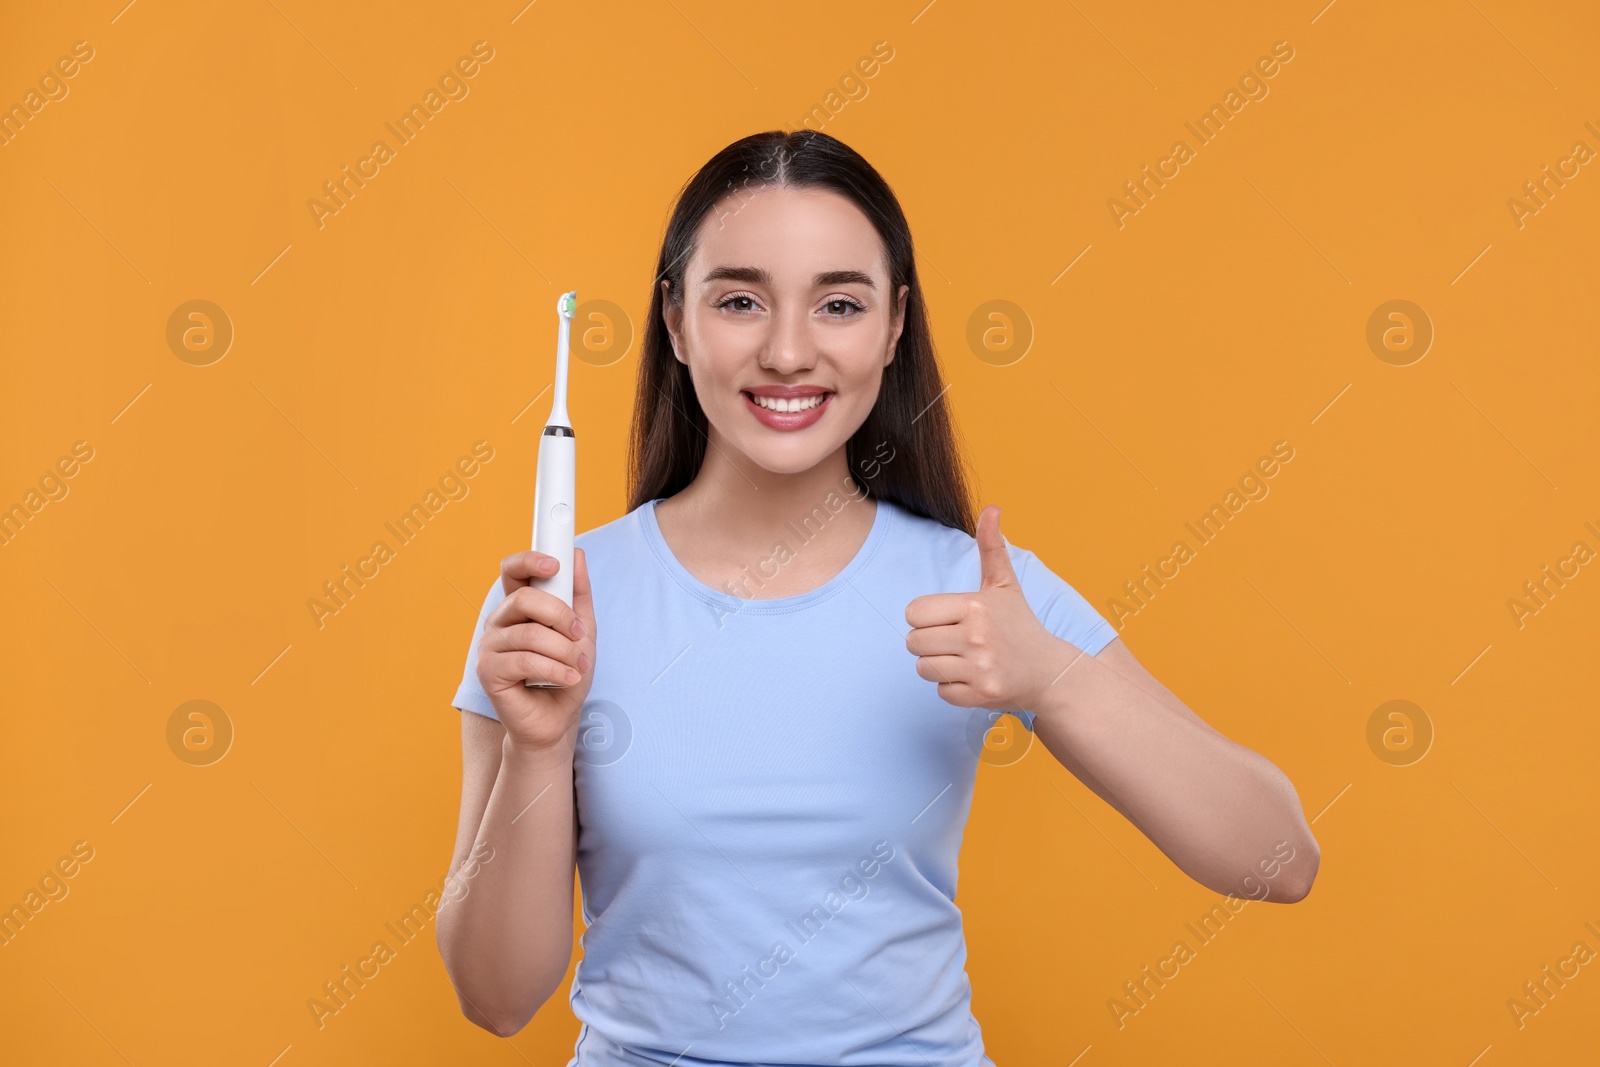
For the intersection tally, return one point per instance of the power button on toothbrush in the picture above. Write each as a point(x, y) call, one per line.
point(561, 515)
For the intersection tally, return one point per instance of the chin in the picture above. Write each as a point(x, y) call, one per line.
point(779, 452)
point(788, 460)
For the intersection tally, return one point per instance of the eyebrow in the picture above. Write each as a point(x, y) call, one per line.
point(760, 276)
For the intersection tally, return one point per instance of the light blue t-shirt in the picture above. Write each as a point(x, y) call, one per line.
point(771, 803)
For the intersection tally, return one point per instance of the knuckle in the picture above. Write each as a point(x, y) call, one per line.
point(537, 637)
point(532, 602)
point(541, 667)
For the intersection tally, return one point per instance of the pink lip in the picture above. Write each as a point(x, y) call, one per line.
point(796, 420)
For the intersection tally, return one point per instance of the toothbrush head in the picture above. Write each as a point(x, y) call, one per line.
point(566, 309)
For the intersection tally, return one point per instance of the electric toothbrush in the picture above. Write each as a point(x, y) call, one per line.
point(555, 490)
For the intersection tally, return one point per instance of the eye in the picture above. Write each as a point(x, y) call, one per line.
point(736, 297)
point(847, 302)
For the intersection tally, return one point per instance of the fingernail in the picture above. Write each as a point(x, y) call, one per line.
point(583, 661)
point(577, 629)
point(547, 565)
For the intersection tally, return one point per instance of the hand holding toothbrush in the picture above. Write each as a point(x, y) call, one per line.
point(539, 626)
point(534, 635)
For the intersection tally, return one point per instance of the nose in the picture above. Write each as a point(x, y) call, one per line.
point(789, 346)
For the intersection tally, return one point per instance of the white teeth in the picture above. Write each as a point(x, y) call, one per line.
point(794, 404)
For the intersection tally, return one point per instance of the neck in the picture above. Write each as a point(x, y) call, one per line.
point(746, 504)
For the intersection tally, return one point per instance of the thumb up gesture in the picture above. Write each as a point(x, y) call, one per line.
point(986, 649)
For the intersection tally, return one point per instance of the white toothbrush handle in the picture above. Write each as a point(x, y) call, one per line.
point(555, 515)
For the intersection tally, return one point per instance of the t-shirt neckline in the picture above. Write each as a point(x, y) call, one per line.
point(732, 604)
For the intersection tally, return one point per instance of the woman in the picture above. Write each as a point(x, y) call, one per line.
point(765, 778)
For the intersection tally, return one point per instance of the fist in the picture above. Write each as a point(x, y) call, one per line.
point(986, 649)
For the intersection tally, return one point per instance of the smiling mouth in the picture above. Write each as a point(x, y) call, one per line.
point(789, 405)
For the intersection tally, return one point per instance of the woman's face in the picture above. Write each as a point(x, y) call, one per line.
point(787, 290)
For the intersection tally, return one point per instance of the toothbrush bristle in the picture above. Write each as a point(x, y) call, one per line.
point(569, 304)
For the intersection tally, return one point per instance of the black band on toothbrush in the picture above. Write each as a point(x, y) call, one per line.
point(559, 431)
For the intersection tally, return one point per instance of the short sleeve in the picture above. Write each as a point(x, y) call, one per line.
point(469, 694)
point(1061, 608)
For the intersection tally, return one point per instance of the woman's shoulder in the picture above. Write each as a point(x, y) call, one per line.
point(931, 553)
point(919, 529)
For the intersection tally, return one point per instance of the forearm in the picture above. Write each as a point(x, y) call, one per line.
point(1217, 809)
point(506, 939)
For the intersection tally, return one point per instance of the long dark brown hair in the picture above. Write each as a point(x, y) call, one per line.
point(910, 422)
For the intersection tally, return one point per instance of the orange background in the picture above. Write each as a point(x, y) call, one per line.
point(369, 354)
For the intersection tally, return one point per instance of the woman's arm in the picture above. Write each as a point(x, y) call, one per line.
point(1217, 809)
point(505, 925)
point(1221, 812)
